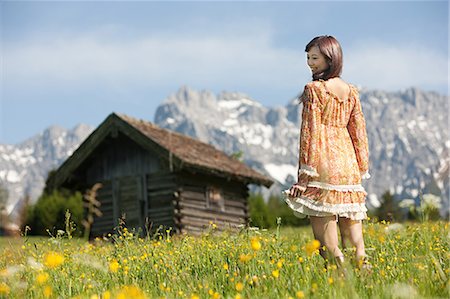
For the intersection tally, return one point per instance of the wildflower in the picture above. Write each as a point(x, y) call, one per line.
point(300, 294)
point(106, 295)
point(330, 280)
point(195, 296)
point(300, 259)
point(48, 291)
point(280, 264)
point(225, 266)
point(256, 245)
point(245, 257)
point(238, 296)
point(53, 259)
point(312, 247)
point(4, 289)
point(113, 266)
point(239, 286)
point(131, 291)
point(276, 273)
point(42, 277)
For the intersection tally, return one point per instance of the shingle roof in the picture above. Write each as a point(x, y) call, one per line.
point(196, 153)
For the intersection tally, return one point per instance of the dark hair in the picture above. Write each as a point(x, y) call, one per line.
point(331, 49)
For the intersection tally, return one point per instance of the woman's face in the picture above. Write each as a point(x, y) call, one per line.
point(316, 60)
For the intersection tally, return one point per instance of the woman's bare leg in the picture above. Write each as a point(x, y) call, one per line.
point(325, 230)
point(351, 230)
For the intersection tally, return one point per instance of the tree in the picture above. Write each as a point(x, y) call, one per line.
point(259, 213)
point(50, 209)
point(389, 209)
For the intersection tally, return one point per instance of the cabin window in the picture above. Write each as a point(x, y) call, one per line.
point(214, 198)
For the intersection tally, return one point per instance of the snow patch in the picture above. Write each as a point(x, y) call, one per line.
point(281, 171)
point(374, 201)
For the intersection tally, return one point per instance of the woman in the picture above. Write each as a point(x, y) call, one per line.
point(334, 154)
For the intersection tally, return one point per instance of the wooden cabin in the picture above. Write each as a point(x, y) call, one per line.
point(153, 176)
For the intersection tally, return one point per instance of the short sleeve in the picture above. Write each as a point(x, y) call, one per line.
point(309, 134)
point(357, 130)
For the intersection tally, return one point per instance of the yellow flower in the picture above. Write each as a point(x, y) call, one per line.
point(312, 247)
point(94, 296)
point(276, 273)
point(53, 259)
point(195, 296)
point(4, 289)
point(114, 266)
point(47, 291)
point(225, 266)
point(245, 257)
point(106, 295)
point(256, 245)
point(238, 296)
point(42, 277)
point(239, 286)
point(279, 264)
point(300, 294)
point(300, 259)
point(330, 280)
point(131, 291)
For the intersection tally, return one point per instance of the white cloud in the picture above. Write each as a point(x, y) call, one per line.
point(395, 66)
point(249, 59)
point(153, 60)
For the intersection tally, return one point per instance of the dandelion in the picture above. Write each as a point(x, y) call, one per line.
point(300, 294)
point(256, 245)
point(280, 264)
point(312, 247)
point(245, 257)
point(113, 266)
point(48, 291)
point(276, 273)
point(239, 286)
point(225, 266)
point(42, 277)
point(106, 295)
point(130, 291)
point(53, 259)
point(4, 289)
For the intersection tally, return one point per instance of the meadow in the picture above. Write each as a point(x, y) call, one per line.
point(408, 260)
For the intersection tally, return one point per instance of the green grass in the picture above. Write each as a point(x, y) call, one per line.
point(410, 261)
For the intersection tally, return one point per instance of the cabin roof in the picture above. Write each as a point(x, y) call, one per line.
point(181, 150)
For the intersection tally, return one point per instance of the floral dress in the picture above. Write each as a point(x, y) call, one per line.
point(334, 155)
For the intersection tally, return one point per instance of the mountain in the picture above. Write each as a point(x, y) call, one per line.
point(24, 167)
point(408, 136)
point(407, 131)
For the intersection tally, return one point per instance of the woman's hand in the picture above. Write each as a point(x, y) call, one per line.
point(296, 190)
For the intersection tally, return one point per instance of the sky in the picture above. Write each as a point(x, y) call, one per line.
point(70, 62)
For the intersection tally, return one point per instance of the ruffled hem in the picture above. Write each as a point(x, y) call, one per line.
point(304, 206)
point(308, 170)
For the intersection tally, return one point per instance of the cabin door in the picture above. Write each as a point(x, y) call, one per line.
point(129, 201)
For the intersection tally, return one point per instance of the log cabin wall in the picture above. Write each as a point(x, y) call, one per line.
point(122, 167)
point(161, 192)
point(203, 198)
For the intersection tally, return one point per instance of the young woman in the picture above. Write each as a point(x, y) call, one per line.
point(334, 154)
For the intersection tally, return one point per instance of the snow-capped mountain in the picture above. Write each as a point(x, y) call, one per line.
point(407, 130)
point(24, 167)
point(408, 136)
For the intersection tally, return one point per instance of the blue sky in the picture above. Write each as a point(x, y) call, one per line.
point(64, 63)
